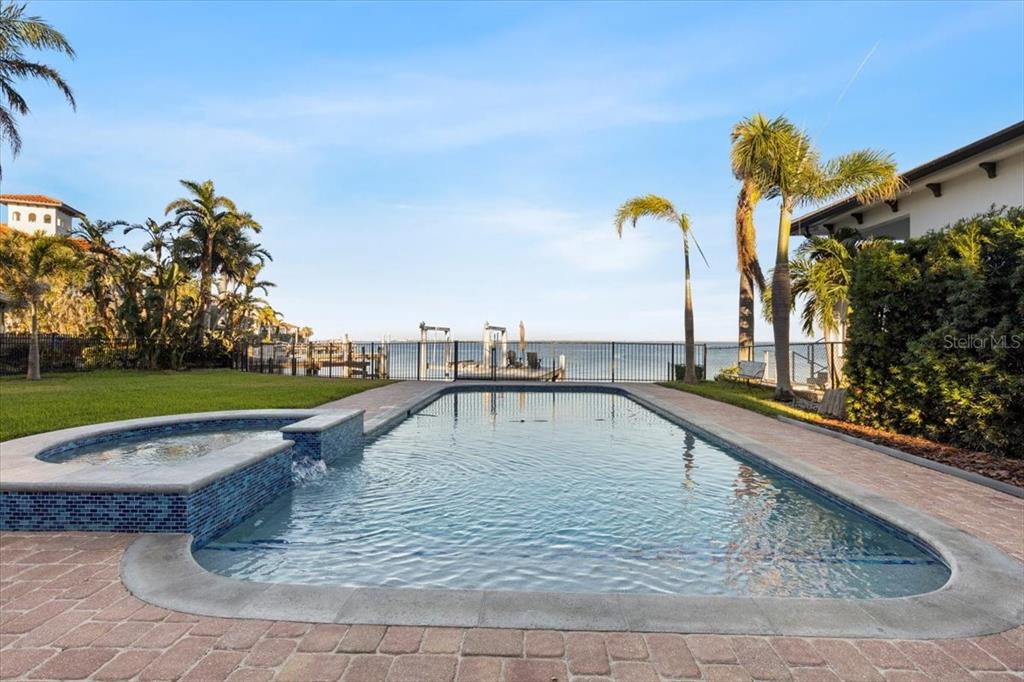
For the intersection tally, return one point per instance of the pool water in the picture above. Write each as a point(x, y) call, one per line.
point(566, 492)
point(173, 448)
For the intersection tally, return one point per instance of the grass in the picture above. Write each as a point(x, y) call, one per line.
point(755, 398)
point(74, 399)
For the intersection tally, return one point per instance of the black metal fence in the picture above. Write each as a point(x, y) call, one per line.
point(56, 352)
point(814, 365)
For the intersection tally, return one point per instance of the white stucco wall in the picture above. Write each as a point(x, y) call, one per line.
point(18, 218)
point(966, 191)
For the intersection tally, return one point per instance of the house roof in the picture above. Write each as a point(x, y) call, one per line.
point(954, 157)
point(38, 200)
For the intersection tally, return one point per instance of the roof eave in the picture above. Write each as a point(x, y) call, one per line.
point(954, 157)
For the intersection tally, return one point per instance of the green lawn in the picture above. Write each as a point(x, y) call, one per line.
point(63, 400)
point(756, 398)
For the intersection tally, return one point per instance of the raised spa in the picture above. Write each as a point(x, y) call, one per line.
point(174, 444)
point(568, 492)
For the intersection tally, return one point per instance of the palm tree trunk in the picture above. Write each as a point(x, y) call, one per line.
point(747, 265)
point(33, 344)
point(746, 322)
point(690, 377)
point(205, 286)
point(836, 352)
point(781, 295)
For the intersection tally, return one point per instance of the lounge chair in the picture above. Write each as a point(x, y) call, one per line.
point(751, 371)
point(532, 361)
point(512, 360)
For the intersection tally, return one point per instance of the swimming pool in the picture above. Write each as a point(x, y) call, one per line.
point(567, 492)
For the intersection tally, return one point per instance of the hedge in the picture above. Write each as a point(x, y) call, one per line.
point(936, 345)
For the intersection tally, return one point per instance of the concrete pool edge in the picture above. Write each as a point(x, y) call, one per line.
point(161, 569)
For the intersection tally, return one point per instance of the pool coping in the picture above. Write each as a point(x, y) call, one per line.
point(21, 469)
point(160, 569)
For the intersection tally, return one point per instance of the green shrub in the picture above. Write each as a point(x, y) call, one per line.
point(680, 372)
point(731, 373)
point(936, 344)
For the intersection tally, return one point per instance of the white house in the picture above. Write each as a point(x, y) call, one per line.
point(34, 212)
point(960, 184)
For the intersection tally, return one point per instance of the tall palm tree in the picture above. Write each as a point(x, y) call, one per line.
point(204, 216)
point(28, 265)
point(100, 262)
point(18, 33)
point(653, 206)
point(751, 140)
point(794, 173)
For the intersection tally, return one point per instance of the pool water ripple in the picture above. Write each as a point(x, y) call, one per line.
point(567, 492)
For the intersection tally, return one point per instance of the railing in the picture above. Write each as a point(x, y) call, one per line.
point(812, 365)
point(605, 361)
point(57, 353)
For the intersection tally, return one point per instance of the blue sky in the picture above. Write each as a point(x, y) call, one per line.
point(457, 163)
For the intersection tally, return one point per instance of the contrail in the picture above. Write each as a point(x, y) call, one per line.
point(849, 84)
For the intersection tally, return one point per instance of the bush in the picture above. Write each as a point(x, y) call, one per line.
point(731, 373)
point(680, 372)
point(936, 344)
point(108, 356)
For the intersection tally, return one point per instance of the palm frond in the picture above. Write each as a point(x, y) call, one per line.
point(646, 206)
point(868, 173)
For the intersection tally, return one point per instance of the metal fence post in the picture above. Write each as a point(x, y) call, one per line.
point(455, 361)
point(419, 354)
point(613, 362)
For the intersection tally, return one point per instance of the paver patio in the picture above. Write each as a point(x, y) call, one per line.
point(64, 613)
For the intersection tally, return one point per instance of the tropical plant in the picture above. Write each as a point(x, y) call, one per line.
point(28, 267)
point(153, 307)
point(822, 272)
point(659, 208)
point(99, 265)
point(19, 33)
point(792, 171)
point(936, 345)
point(207, 220)
point(748, 157)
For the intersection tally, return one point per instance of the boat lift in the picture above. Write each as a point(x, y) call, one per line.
point(436, 354)
point(495, 336)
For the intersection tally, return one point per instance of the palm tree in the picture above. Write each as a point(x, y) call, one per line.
point(204, 217)
point(158, 234)
point(28, 265)
point(748, 156)
point(821, 274)
point(18, 33)
point(652, 206)
point(100, 262)
point(793, 171)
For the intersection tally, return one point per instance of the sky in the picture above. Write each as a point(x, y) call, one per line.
point(461, 163)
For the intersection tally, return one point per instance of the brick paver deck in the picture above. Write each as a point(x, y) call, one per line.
point(64, 613)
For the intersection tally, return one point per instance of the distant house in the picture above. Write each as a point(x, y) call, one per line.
point(31, 213)
point(960, 184)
